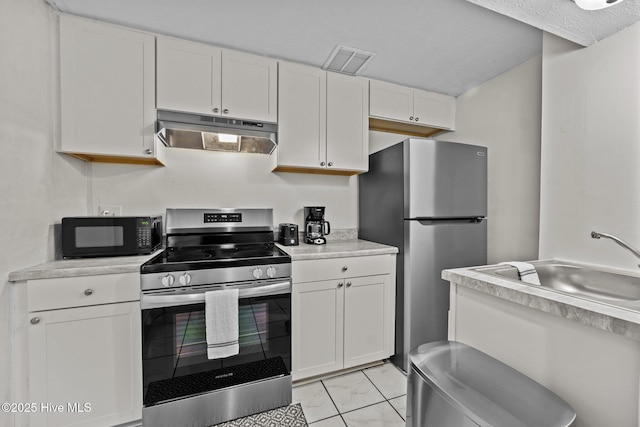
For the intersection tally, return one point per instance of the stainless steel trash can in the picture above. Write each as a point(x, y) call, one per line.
point(454, 385)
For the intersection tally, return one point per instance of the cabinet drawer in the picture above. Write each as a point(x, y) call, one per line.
point(51, 294)
point(335, 268)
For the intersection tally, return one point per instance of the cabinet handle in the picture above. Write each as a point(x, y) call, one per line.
point(35, 320)
point(322, 163)
point(88, 292)
point(225, 111)
point(417, 119)
point(411, 118)
point(340, 284)
point(345, 268)
point(216, 110)
point(330, 164)
point(148, 151)
point(348, 284)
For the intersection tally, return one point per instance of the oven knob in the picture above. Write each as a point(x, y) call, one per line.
point(185, 279)
point(257, 272)
point(168, 280)
point(271, 272)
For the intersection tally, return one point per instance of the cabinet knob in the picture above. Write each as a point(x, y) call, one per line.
point(340, 284)
point(148, 151)
point(348, 284)
point(411, 118)
point(322, 163)
point(225, 111)
point(330, 164)
point(417, 119)
point(35, 320)
point(88, 292)
point(345, 268)
point(216, 110)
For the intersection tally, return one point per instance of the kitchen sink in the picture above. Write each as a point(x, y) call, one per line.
point(578, 280)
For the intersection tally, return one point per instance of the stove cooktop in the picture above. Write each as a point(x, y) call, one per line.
point(198, 258)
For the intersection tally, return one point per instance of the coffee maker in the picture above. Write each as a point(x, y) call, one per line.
point(315, 227)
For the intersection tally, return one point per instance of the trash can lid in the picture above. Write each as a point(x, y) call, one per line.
point(486, 390)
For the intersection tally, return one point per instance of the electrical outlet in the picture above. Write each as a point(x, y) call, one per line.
point(109, 210)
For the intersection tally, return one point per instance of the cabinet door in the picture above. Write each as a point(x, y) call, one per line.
point(390, 101)
point(189, 76)
point(87, 355)
point(365, 320)
point(107, 89)
point(434, 109)
point(302, 116)
point(347, 122)
point(249, 86)
point(317, 332)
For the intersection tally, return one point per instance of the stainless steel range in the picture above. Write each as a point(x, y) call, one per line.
point(210, 250)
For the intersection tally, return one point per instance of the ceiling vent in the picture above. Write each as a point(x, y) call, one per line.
point(348, 60)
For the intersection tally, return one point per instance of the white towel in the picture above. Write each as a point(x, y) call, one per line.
point(526, 271)
point(221, 320)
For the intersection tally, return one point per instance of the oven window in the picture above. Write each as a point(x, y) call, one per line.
point(175, 362)
point(100, 236)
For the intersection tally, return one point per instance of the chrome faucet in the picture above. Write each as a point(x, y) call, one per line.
point(596, 235)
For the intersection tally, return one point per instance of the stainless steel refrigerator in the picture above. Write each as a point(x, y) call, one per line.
point(428, 198)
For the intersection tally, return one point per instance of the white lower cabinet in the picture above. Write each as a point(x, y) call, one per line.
point(84, 362)
point(345, 320)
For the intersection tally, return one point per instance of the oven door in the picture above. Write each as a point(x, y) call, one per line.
point(174, 349)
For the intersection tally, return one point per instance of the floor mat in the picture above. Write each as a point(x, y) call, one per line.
point(286, 416)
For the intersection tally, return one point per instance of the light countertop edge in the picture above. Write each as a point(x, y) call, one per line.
point(131, 264)
point(337, 249)
point(606, 317)
point(81, 267)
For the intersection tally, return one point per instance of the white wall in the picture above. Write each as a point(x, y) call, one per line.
point(503, 114)
point(37, 186)
point(201, 179)
point(591, 149)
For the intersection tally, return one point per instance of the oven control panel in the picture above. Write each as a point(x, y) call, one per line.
point(222, 217)
point(185, 279)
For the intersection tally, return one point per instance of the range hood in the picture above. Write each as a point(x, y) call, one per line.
point(185, 130)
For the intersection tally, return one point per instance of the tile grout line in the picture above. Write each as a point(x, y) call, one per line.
point(340, 414)
point(385, 397)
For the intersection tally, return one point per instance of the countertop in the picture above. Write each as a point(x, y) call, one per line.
point(337, 249)
point(81, 267)
point(131, 264)
point(609, 317)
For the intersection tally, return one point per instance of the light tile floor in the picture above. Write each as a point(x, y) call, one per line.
point(372, 397)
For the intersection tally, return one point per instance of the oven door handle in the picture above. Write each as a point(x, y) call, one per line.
point(172, 299)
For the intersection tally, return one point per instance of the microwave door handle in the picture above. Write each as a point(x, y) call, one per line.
point(167, 300)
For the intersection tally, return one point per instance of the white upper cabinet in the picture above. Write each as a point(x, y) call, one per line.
point(302, 114)
point(249, 86)
point(403, 104)
point(347, 122)
point(189, 76)
point(107, 94)
point(204, 79)
point(323, 121)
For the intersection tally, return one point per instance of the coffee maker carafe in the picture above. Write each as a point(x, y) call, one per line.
point(315, 227)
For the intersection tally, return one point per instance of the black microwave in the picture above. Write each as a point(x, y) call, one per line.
point(110, 236)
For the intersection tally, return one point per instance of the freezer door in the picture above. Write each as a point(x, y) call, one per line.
point(444, 179)
point(430, 247)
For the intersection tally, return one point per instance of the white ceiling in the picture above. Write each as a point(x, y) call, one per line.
point(445, 46)
point(563, 18)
